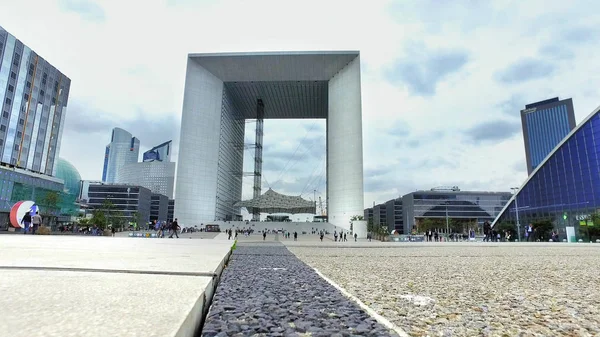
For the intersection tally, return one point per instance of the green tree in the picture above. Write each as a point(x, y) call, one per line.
point(542, 229)
point(50, 206)
point(357, 218)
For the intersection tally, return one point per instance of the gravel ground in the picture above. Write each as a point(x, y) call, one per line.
point(472, 290)
point(266, 291)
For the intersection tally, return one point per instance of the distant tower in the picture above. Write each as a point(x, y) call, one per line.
point(545, 125)
point(123, 149)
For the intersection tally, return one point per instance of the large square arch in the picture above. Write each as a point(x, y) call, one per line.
point(221, 91)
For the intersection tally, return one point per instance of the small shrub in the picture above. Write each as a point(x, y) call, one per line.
point(43, 230)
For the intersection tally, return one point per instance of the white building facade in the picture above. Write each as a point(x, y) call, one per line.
point(123, 149)
point(221, 91)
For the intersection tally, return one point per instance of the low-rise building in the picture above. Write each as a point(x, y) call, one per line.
point(159, 207)
point(130, 203)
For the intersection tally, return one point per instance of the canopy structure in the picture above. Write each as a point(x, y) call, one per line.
point(273, 202)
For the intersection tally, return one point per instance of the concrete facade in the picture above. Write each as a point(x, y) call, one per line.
point(221, 91)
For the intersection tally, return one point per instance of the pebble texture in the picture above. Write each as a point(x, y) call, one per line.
point(501, 290)
point(266, 291)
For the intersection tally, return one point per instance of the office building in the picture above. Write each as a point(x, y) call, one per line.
point(128, 201)
point(545, 124)
point(379, 215)
point(123, 149)
point(393, 215)
point(156, 172)
point(34, 97)
point(222, 90)
point(368, 215)
point(159, 207)
point(171, 211)
point(445, 206)
point(564, 188)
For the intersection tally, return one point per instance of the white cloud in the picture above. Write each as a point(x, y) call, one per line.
point(128, 69)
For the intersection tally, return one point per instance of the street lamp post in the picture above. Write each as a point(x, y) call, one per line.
point(516, 189)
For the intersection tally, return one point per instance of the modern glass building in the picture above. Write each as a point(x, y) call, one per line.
point(123, 149)
point(160, 152)
point(156, 172)
point(393, 215)
point(18, 185)
point(545, 124)
point(127, 200)
point(565, 187)
point(72, 187)
point(33, 104)
point(171, 210)
point(473, 206)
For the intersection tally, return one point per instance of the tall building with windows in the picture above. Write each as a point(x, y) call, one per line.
point(123, 149)
point(155, 173)
point(545, 124)
point(34, 96)
point(564, 188)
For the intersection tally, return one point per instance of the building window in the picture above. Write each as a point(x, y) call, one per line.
point(42, 93)
point(5, 114)
point(21, 121)
point(26, 97)
point(8, 101)
point(11, 88)
point(28, 84)
point(13, 75)
point(16, 147)
point(19, 134)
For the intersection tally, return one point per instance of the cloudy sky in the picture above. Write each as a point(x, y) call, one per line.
point(442, 81)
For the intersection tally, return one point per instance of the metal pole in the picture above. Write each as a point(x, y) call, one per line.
point(516, 189)
point(518, 223)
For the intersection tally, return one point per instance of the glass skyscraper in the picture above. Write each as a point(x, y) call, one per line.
point(160, 152)
point(545, 124)
point(33, 105)
point(565, 188)
point(123, 149)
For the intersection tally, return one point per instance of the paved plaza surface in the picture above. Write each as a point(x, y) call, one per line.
point(106, 286)
point(469, 289)
point(267, 291)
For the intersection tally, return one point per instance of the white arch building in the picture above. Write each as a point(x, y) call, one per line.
point(222, 90)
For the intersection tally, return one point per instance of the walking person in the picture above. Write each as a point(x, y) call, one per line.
point(26, 222)
point(355, 237)
point(295, 236)
point(264, 235)
point(174, 228)
point(345, 237)
point(321, 236)
point(36, 220)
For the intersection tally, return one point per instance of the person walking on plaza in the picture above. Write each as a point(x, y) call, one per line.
point(26, 222)
point(345, 237)
point(36, 220)
point(335, 236)
point(355, 237)
point(321, 236)
point(264, 235)
point(295, 236)
point(174, 228)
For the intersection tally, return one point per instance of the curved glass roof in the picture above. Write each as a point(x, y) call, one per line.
point(67, 172)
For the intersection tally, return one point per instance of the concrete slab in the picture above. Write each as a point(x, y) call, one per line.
point(66, 303)
point(105, 286)
point(113, 253)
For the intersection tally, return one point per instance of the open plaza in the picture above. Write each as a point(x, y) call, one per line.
point(203, 284)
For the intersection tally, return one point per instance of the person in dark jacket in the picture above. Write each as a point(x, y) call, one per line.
point(174, 228)
point(26, 222)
